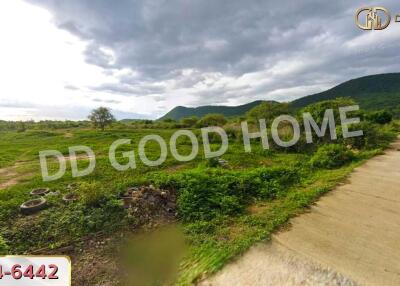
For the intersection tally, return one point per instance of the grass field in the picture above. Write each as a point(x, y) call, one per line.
point(222, 210)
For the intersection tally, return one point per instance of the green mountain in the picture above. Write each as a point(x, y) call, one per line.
point(180, 112)
point(372, 92)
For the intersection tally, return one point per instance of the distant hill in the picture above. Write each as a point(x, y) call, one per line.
point(130, 121)
point(180, 112)
point(372, 92)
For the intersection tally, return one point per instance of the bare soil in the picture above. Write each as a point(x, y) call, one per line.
point(9, 177)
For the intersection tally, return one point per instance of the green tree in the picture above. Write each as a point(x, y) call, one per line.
point(21, 126)
point(101, 117)
point(169, 120)
point(331, 156)
point(268, 111)
point(317, 110)
point(189, 121)
point(213, 119)
point(380, 117)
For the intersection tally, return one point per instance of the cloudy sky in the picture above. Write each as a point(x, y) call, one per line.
point(60, 59)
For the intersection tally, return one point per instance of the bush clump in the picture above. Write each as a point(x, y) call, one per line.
point(3, 247)
point(204, 196)
point(331, 156)
point(208, 194)
point(212, 120)
point(93, 194)
point(212, 162)
point(380, 117)
point(374, 136)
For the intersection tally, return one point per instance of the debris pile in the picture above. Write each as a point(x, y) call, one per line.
point(149, 204)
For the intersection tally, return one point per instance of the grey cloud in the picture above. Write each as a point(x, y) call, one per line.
point(129, 89)
point(16, 104)
point(156, 37)
point(291, 43)
point(94, 55)
point(106, 100)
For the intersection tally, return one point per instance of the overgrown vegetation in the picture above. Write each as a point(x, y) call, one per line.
point(372, 93)
point(223, 208)
point(3, 247)
point(331, 156)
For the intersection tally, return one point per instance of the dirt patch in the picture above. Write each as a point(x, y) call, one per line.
point(9, 177)
point(8, 183)
point(94, 260)
point(95, 264)
point(125, 258)
point(8, 172)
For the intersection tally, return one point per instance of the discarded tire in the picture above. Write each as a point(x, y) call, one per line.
point(33, 206)
point(40, 192)
point(70, 198)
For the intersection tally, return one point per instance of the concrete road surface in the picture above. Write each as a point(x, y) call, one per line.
point(350, 237)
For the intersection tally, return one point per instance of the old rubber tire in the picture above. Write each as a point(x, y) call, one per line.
point(33, 206)
point(70, 198)
point(40, 191)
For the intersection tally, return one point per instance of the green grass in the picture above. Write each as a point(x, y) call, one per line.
point(222, 211)
point(228, 237)
point(24, 147)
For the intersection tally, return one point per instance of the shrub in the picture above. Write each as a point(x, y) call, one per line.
point(3, 247)
point(268, 111)
point(233, 134)
point(93, 194)
point(317, 110)
point(212, 120)
point(212, 162)
point(55, 227)
point(213, 138)
point(169, 120)
point(301, 145)
point(380, 117)
point(204, 196)
point(208, 194)
point(374, 136)
point(331, 156)
point(189, 121)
